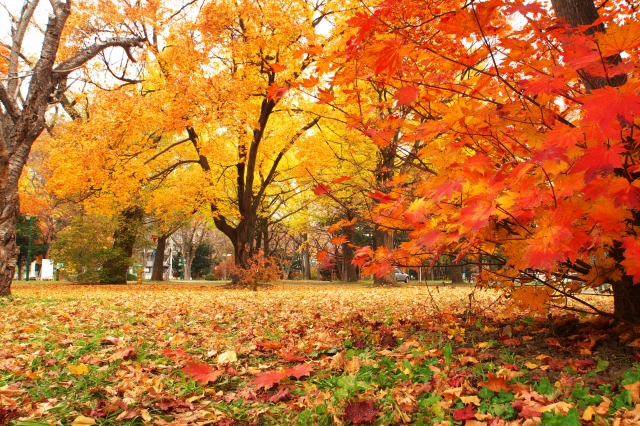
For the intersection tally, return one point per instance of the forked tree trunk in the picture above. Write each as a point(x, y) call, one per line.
point(157, 274)
point(23, 109)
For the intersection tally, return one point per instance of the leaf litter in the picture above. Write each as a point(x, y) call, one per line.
point(177, 355)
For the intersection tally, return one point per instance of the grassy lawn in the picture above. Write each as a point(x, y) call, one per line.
point(306, 353)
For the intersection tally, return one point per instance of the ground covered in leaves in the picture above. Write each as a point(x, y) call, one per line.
point(192, 355)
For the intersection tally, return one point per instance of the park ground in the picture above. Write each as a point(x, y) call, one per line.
point(198, 354)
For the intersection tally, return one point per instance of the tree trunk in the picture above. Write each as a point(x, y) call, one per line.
point(384, 239)
point(22, 122)
point(306, 264)
point(456, 274)
point(114, 270)
point(348, 251)
point(157, 273)
point(626, 295)
point(8, 221)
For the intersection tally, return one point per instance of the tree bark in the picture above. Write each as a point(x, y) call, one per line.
point(157, 274)
point(348, 251)
point(456, 274)
point(306, 264)
point(21, 123)
point(626, 294)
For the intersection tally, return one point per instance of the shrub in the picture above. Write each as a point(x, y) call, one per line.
point(262, 269)
point(210, 277)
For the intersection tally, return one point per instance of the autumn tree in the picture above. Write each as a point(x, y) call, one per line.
point(528, 122)
point(26, 91)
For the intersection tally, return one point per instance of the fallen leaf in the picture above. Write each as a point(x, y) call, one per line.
point(201, 372)
point(227, 357)
point(82, 420)
point(465, 413)
point(268, 379)
point(361, 412)
point(496, 384)
point(78, 370)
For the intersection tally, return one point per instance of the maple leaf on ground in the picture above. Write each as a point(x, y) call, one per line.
point(291, 357)
point(465, 413)
point(126, 353)
point(268, 379)
point(202, 372)
point(299, 370)
point(361, 412)
point(407, 95)
point(175, 353)
point(496, 383)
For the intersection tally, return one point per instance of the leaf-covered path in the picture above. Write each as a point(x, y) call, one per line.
point(181, 355)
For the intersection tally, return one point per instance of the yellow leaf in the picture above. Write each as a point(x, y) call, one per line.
point(588, 414)
point(530, 365)
point(82, 420)
point(472, 399)
point(227, 357)
point(483, 345)
point(79, 370)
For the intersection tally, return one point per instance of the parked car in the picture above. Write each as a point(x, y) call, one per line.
point(401, 276)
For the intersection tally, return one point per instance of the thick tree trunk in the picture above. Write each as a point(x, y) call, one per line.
point(626, 295)
point(8, 221)
point(114, 271)
point(456, 274)
point(157, 274)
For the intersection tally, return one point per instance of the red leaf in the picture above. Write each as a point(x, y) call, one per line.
point(603, 106)
point(407, 95)
point(275, 92)
point(342, 179)
point(381, 196)
point(631, 254)
point(201, 372)
point(321, 189)
point(282, 394)
point(465, 413)
point(362, 256)
point(339, 240)
point(322, 255)
point(268, 379)
point(277, 67)
point(361, 412)
point(496, 383)
point(126, 353)
point(325, 96)
point(291, 357)
point(600, 158)
point(299, 370)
